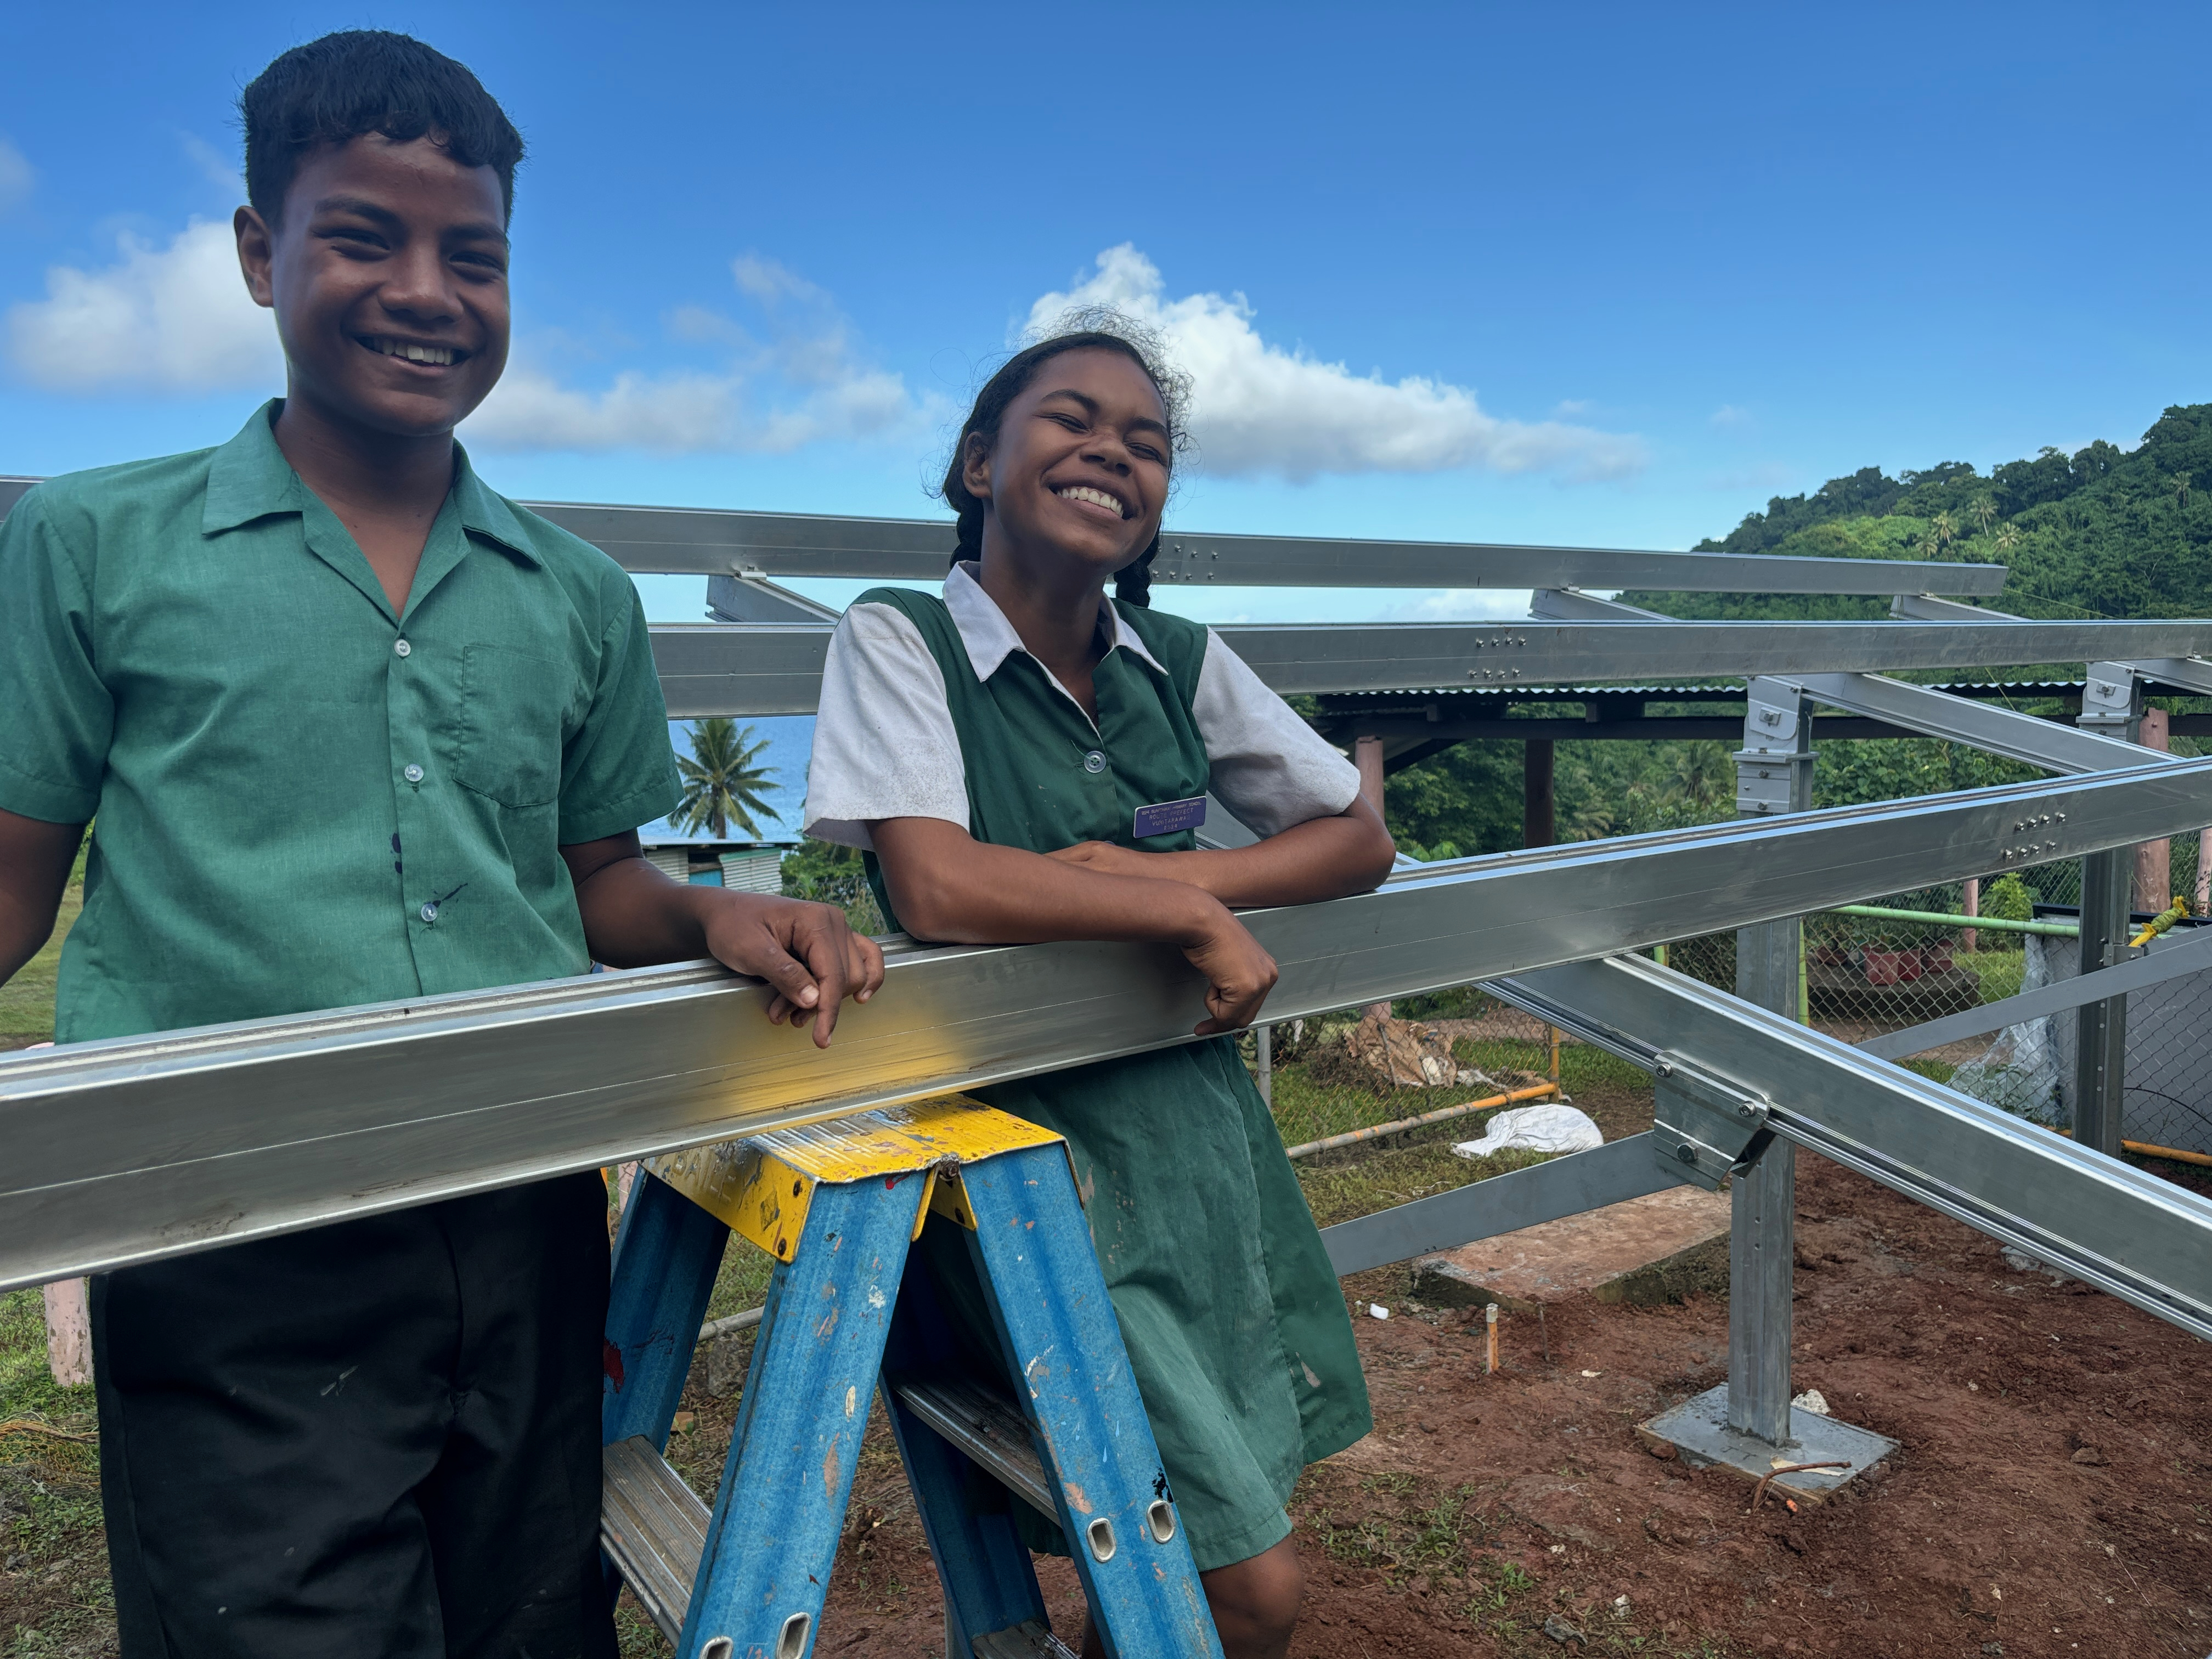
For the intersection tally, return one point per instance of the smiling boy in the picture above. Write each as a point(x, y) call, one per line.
point(354, 728)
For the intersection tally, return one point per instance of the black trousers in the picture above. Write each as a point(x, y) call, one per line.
point(376, 1440)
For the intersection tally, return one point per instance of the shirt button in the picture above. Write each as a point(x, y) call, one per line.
point(402, 648)
point(1094, 763)
point(413, 775)
point(429, 913)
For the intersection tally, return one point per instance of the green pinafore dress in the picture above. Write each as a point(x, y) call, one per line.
point(1233, 1318)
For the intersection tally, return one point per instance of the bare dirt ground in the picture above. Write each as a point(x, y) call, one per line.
point(2049, 1497)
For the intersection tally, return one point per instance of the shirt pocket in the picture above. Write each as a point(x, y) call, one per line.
point(513, 722)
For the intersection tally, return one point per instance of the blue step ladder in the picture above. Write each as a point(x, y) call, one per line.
point(1058, 1425)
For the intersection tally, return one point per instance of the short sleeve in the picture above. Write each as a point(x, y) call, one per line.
point(60, 717)
point(1268, 767)
point(885, 746)
point(618, 769)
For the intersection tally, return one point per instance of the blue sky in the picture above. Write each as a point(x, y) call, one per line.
point(1600, 274)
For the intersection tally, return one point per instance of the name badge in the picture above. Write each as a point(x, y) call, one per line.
point(1170, 816)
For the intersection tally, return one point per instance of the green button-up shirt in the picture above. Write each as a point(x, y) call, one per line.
point(304, 801)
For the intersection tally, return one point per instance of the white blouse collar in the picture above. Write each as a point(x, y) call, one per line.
point(990, 638)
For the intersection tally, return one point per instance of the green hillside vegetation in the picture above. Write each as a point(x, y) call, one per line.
point(2102, 532)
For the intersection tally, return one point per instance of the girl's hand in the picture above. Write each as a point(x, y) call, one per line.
point(1239, 974)
point(1109, 859)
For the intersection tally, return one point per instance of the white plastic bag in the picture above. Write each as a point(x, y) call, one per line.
point(1549, 1127)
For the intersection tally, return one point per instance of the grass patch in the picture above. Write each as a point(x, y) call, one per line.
point(51, 1546)
point(26, 1001)
point(2000, 971)
point(1359, 1181)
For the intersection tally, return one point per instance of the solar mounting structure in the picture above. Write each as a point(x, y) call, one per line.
point(128, 1149)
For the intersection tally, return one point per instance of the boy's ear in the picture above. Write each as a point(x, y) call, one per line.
point(975, 464)
point(257, 253)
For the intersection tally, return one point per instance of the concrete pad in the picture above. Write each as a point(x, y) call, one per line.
point(1643, 1250)
point(1699, 1431)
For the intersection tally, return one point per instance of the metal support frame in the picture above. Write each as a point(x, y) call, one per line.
point(2112, 707)
point(721, 541)
point(2141, 1238)
point(1774, 775)
point(775, 667)
point(129, 1149)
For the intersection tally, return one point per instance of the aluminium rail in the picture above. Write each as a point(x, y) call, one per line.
point(2107, 1223)
point(126, 1150)
point(776, 668)
point(753, 545)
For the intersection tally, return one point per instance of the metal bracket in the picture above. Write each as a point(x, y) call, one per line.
point(2112, 701)
point(1775, 750)
point(1705, 1128)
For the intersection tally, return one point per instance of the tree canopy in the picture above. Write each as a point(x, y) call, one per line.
point(2100, 533)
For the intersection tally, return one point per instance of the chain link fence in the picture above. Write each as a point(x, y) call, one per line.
point(1866, 975)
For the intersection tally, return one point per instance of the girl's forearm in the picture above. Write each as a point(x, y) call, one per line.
point(949, 888)
point(1321, 859)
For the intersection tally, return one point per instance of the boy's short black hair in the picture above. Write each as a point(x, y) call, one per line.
point(363, 81)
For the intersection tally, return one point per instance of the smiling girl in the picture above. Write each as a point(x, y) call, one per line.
point(1025, 760)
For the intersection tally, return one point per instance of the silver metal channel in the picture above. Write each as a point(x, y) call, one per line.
point(2139, 1237)
point(126, 1150)
point(1610, 1174)
point(776, 668)
point(710, 542)
point(1987, 727)
point(724, 541)
point(2185, 673)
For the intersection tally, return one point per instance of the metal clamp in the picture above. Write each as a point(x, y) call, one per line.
point(1705, 1128)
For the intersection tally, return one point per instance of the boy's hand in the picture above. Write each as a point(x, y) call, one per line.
point(806, 951)
point(634, 917)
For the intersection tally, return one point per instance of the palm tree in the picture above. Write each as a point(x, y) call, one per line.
point(1943, 530)
point(721, 785)
point(1985, 511)
point(2007, 539)
point(2181, 482)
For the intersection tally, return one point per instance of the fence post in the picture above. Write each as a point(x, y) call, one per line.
point(1367, 756)
point(2112, 703)
point(1774, 773)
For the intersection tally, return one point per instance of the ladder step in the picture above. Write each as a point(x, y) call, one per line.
point(1028, 1640)
point(991, 1431)
point(654, 1526)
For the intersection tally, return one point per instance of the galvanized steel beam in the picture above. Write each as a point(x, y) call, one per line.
point(728, 542)
point(125, 1149)
point(2141, 1238)
point(766, 668)
point(714, 542)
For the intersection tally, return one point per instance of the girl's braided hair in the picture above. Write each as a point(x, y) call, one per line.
point(1092, 328)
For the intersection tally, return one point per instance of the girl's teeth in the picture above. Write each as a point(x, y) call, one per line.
point(1095, 497)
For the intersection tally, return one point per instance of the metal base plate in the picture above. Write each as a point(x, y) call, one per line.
point(1699, 1431)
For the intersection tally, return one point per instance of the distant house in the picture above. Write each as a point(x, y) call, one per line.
point(750, 867)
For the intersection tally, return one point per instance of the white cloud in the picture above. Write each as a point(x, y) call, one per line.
point(174, 318)
point(17, 176)
point(1258, 409)
point(1728, 415)
point(807, 382)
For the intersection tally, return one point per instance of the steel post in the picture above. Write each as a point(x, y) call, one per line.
point(1774, 773)
point(2101, 1055)
point(2112, 705)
